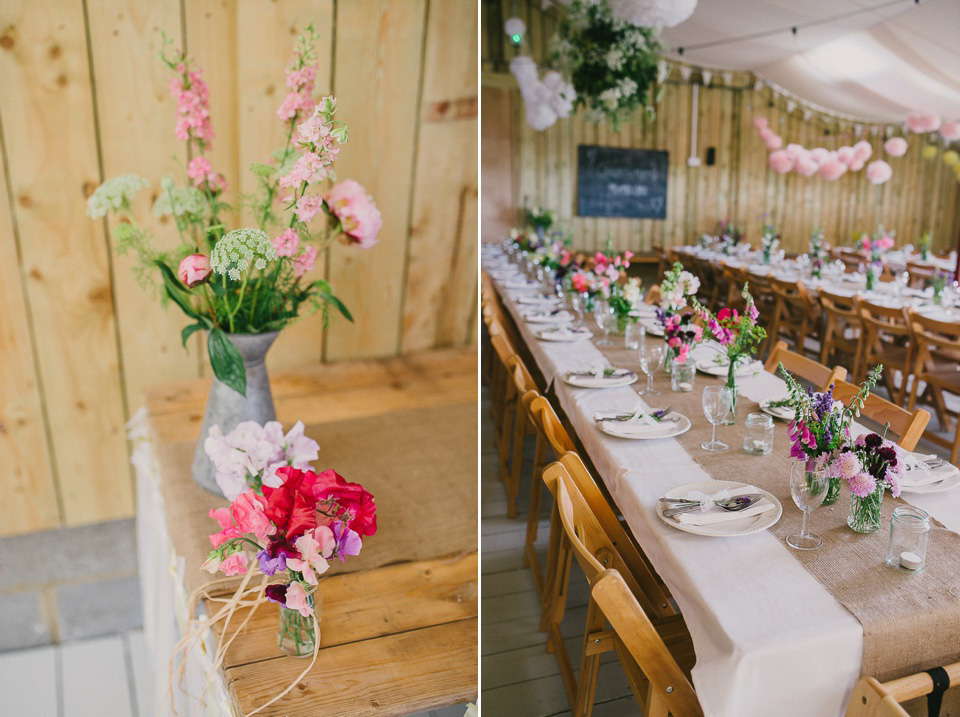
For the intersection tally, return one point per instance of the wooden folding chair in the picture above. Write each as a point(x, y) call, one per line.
point(520, 383)
point(806, 368)
point(659, 681)
point(920, 274)
point(794, 313)
point(843, 332)
point(735, 278)
point(907, 425)
point(937, 347)
point(550, 432)
point(663, 262)
point(583, 537)
point(721, 285)
point(872, 698)
point(502, 393)
point(653, 295)
point(886, 340)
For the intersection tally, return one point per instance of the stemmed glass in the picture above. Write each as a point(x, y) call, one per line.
point(808, 489)
point(716, 402)
point(651, 359)
point(603, 315)
point(577, 301)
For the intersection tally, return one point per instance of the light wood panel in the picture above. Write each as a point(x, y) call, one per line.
point(83, 96)
point(377, 80)
point(51, 156)
point(922, 195)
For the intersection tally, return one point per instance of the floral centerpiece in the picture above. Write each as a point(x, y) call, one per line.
point(243, 286)
point(821, 426)
point(769, 241)
point(680, 333)
point(923, 245)
point(738, 334)
point(611, 63)
point(873, 248)
point(625, 299)
point(541, 220)
point(869, 467)
point(293, 531)
point(816, 248)
point(729, 235)
point(938, 282)
point(524, 239)
point(676, 289)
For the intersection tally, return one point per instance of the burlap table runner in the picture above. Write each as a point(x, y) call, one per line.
point(911, 622)
point(420, 464)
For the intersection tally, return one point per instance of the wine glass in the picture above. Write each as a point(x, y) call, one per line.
point(808, 489)
point(603, 315)
point(578, 301)
point(716, 402)
point(651, 358)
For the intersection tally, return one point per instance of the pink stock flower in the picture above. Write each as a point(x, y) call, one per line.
point(307, 207)
point(895, 146)
point(193, 110)
point(305, 261)
point(287, 243)
point(194, 270)
point(297, 599)
point(358, 215)
point(203, 176)
point(301, 79)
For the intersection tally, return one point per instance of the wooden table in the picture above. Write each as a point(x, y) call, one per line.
point(399, 623)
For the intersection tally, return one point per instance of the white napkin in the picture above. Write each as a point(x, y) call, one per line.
point(545, 317)
point(712, 514)
point(919, 474)
point(642, 424)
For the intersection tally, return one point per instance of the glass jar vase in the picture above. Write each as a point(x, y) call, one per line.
point(681, 376)
point(866, 513)
point(731, 418)
point(907, 547)
point(758, 434)
point(298, 635)
point(833, 492)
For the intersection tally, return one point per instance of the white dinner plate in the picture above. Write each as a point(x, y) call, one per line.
point(537, 317)
point(644, 311)
point(625, 378)
point(729, 528)
point(569, 336)
point(949, 479)
point(669, 431)
point(784, 413)
point(653, 329)
point(539, 300)
point(521, 284)
point(711, 367)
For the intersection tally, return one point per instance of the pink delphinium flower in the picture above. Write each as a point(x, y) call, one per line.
point(193, 108)
point(305, 260)
point(287, 243)
point(297, 599)
point(294, 105)
point(358, 215)
point(307, 207)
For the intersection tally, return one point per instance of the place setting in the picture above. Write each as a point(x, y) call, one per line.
point(547, 316)
point(599, 376)
point(780, 408)
point(565, 334)
point(720, 509)
point(926, 473)
point(642, 423)
point(719, 365)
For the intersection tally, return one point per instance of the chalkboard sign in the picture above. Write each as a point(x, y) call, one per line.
point(617, 182)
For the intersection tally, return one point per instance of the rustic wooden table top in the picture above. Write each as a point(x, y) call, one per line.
point(397, 635)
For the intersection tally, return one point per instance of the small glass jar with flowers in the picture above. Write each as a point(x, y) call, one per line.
point(541, 220)
point(739, 336)
point(676, 289)
point(923, 245)
point(769, 241)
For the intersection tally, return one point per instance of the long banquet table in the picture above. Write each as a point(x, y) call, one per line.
point(770, 639)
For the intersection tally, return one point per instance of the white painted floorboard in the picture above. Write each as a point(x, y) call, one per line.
point(28, 682)
point(95, 679)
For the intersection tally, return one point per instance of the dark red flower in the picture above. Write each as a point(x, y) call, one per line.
point(352, 498)
point(277, 593)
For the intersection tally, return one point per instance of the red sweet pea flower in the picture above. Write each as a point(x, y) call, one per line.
point(352, 498)
point(293, 505)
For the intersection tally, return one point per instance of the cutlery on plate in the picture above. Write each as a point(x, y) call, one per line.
point(740, 502)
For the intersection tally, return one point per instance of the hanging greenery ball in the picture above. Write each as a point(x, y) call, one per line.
point(930, 151)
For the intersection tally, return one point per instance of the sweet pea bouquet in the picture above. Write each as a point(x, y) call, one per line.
point(625, 298)
point(680, 332)
point(249, 280)
point(923, 245)
point(816, 248)
point(738, 334)
point(250, 455)
point(293, 530)
point(605, 272)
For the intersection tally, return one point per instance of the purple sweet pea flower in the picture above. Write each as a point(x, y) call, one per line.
point(348, 541)
point(277, 593)
point(271, 566)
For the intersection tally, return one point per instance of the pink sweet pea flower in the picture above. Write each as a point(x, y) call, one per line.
point(229, 532)
point(297, 599)
point(358, 215)
point(247, 511)
point(236, 564)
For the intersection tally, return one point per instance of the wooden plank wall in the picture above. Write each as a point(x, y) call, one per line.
point(922, 195)
point(83, 96)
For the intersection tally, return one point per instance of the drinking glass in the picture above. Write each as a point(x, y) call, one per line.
point(651, 359)
point(603, 315)
point(578, 301)
point(716, 402)
point(808, 489)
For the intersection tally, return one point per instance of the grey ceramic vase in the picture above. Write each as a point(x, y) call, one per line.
point(227, 408)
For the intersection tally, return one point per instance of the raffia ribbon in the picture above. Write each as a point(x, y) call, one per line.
point(243, 596)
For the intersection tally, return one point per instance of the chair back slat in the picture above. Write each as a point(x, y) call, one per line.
point(633, 629)
point(548, 424)
point(906, 425)
point(806, 368)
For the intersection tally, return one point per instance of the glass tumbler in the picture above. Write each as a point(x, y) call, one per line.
point(681, 377)
point(634, 334)
point(758, 434)
point(907, 547)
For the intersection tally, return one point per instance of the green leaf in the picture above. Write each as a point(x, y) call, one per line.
point(175, 290)
point(188, 331)
point(259, 169)
point(331, 299)
point(227, 362)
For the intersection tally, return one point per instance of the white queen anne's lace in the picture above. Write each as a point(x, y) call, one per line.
point(114, 193)
point(238, 250)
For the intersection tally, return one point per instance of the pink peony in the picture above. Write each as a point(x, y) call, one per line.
point(287, 243)
point(950, 130)
point(879, 172)
point(359, 217)
point(895, 146)
point(297, 599)
point(862, 151)
point(805, 165)
point(305, 261)
point(780, 162)
point(832, 169)
point(760, 123)
point(194, 270)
